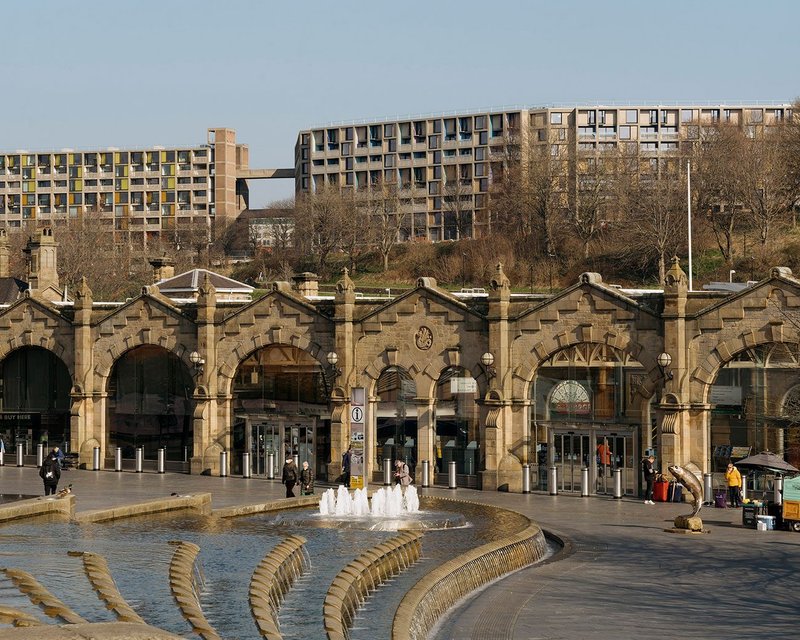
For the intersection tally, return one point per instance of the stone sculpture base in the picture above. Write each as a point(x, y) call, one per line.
point(688, 524)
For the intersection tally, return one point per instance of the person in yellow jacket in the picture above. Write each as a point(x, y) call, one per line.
point(734, 480)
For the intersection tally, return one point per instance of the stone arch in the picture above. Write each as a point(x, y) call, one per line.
point(421, 375)
point(231, 359)
point(38, 338)
point(724, 352)
point(525, 372)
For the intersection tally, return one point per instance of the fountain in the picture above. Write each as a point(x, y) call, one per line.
point(388, 509)
point(388, 503)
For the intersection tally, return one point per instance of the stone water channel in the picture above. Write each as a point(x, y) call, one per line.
point(139, 551)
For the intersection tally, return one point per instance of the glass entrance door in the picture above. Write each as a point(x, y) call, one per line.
point(298, 440)
point(570, 455)
point(615, 450)
point(265, 439)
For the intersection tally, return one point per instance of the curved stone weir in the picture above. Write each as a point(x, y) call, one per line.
point(38, 594)
point(100, 578)
point(366, 573)
point(272, 578)
point(9, 615)
point(439, 590)
point(184, 589)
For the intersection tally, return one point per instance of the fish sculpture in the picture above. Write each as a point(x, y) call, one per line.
point(691, 484)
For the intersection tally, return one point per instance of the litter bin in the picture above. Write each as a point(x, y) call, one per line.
point(660, 488)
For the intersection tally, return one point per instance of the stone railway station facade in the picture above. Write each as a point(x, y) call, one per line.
point(488, 381)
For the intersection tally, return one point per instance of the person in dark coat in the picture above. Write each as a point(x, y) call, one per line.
point(289, 477)
point(306, 480)
point(50, 473)
point(346, 467)
point(649, 473)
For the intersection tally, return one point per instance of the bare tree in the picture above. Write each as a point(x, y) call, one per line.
point(768, 192)
point(529, 195)
point(718, 182)
point(589, 196)
point(457, 207)
point(653, 217)
point(382, 204)
point(321, 220)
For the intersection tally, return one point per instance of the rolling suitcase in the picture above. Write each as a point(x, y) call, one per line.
point(675, 492)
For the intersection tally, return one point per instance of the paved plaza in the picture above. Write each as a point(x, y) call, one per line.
point(620, 575)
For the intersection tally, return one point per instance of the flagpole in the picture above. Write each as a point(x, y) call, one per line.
point(689, 214)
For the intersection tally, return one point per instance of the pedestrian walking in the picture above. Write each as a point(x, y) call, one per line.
point(289, 477)
point(401, 474)
point(50, 473)
point(346, 467)
point(306, 480)
point(649, 473)
point(734, 480)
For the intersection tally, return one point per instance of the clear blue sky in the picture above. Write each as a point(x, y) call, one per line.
point(111, 73)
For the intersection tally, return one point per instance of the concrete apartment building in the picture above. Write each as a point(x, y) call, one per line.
point(141, 194)
point(435, 160)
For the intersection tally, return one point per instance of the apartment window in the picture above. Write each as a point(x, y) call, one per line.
point(437, 126)
point(542, 135)
point(590, 117)
point(348, 179)
point(304, 154)
point(556, 117)
point(437, 157)
point(437, 172)
point(586, 132)
point(664, 116)
point(465, 152)
point(393, 145)
point(554, 150)
point(348, 165)
point(419, 129)
point(607, 132)
point(653, 116)
point(388, 131)
point(624, 133)
point(777, 114)
point(464, 125)
point(335, 161)
point(715, 115)
point(483, 137)
point(388, 160)
point(405, 156)
point(480, 122)
point(649, 146)
point(686, 115)
point(756, 115)
point(480, 170)
point(433, 142)
point(562, 134)
point(631, 116)
point(419, 155)
point(347, 148)
point(42, 184)
point(449, 153)
point(586, 146)
point(669, 146)
point(348, 134)
point(727, 114)
point(480, 154)
point(359, 160)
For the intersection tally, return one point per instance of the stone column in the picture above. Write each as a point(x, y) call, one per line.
point(344, 346)
point(501, 466)
point(210, 434)
point(85, 433)
point(676, 428)
point(426, 436)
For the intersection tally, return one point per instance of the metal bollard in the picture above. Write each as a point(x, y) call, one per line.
point(246, 471)
point(526, 478)
point(617, 484)
point(296, 459)
point(139, 459)
point(162, 457)
point(708, 488)
point(96, 459)
point(271, 465)
point(20, 456)
point(744, 486)
point(552, 481)
point(2, 458)
point(777, 490)
point(223, 464)
point(387, 472)
point(426, 474)
point(39, 454)
point(118, 459)
point(451, 475)
point(585, 482)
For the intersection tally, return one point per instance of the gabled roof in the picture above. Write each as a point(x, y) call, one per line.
point(11, 290)
point(190, 282)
